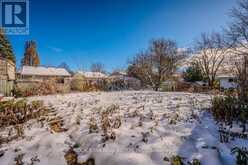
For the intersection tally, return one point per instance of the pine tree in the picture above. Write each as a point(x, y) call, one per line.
point(31, 57)
point(6, 50)
point(193, 73)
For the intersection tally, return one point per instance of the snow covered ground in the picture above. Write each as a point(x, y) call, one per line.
point(144, 128)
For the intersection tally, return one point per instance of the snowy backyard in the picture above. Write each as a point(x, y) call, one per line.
point(131, 127)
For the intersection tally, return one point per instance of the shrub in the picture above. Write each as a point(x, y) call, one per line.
point(18, 112)
point(224, 108)
point(48, 87)
point(241, 155)
point(176, 160)
point(78, 83)
point(24, 90)
point(45, 88)
point(228, 109)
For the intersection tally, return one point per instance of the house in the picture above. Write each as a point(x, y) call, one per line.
point(93, 77)
point(90, 80)
point(7, 76)
point(120, 80)
point(226, 72)
point(29, 74)
point(227, 81)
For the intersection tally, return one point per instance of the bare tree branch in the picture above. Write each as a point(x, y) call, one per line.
point(211, 49)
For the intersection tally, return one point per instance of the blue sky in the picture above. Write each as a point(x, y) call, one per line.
point(81, 32)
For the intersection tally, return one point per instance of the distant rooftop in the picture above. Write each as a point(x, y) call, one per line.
point(92, 74)
point(220, 76)
point(43, 71)
point(119, 73)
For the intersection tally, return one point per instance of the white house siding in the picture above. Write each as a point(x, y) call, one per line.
point(226, 84)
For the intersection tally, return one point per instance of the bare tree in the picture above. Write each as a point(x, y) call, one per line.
point(242, 77)
point(237, 33)
point(211, 50)
point(97, 67)
point(165, 56)
point(238, 29)
point(141, 68)
point(158, 63)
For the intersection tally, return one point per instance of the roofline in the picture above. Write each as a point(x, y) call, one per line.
point(25, 74)
point(41, 75)
point(226, 76)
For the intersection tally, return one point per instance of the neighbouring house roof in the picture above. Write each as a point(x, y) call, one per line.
point(222, 76)
point(119, 74)
point(122, 77)
point(92, 74)
point(126, 78)
point(43, 71)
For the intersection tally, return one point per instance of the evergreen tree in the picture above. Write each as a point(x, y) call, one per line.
point(31, 57)
point(193, 73)
point(6, 50)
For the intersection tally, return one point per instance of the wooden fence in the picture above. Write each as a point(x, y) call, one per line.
point(6, 87)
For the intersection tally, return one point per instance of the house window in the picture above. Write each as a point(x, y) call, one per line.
point(230, 80)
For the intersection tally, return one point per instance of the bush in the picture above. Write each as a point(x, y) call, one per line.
point(18, 112)
point(224, 108)
point(79, 83)
point(241, 155)
point(176, 160)
point(44, 88)
point(26, 90)
point(228, 109)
